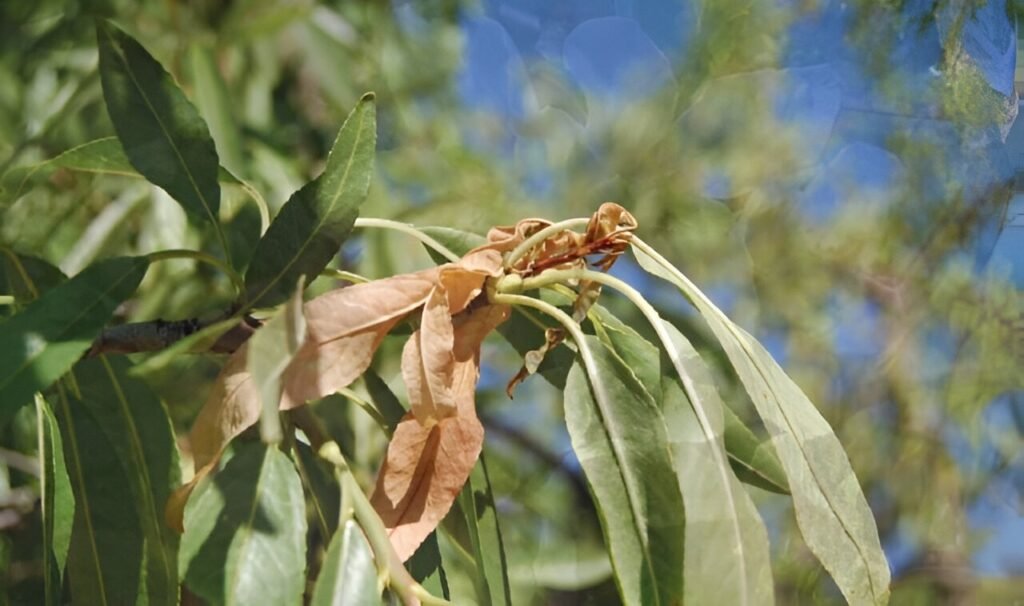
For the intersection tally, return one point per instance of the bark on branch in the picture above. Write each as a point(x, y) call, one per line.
point(156, 335)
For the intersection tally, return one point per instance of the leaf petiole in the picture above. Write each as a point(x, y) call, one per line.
point(181, 253)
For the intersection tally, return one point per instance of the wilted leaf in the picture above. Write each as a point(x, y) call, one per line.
point(245, 531)
point(428, 362)
point(58, 501)
point(348, 575)
point(831, 510)
point(315, 221)
point(426, 466)
point(162, 133)
point(40, 343)
point(619, 436)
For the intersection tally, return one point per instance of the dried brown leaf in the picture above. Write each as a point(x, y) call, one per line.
point(426, 466)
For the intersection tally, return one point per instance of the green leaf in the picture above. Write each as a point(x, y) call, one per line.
point(123, 459)
point(831, 510)
point(25, 276)
point(270, 351)
point(456, 240)
point(245, 530)
point(619, 436)
point(477, 504)
point(40, 343)
point(322, 487)
point(315, 221)
point(212, 98)
point(102, 156)
point(753, 460)
point(426, 567)
point(727, 557)
point(58, 501)
point(163, 135)
point(348, 575)
point(105, 557)
point(385, 400)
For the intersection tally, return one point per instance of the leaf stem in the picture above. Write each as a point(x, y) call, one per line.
point(525, 246)
point(7, 300)
point(388, 563)
point(181, 253)
point(368, 408)
point(340, 274)
point(409, 230)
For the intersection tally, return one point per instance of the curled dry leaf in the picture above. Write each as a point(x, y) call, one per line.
point(427, 465)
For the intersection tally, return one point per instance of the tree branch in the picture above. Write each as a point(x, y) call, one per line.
point(156, 335)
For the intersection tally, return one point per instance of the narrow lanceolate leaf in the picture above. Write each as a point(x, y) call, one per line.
point(619, 436)
point(752, 459)
point(162, 134)
point(58, 501)
point(270, 351)
point(24, 276)
point(40, 343)
point(105, 563)
point(315, 221)
point(137, 431)
point(477, 503)
point(727, 559)
point(348, 576)
point(101, 156)
point(727, 556)
point(831, 510)
point(245, 530)
point(212, 97)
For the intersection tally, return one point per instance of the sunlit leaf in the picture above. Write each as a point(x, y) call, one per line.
point(831, 510)
point(40, 343)
point(477, 503)
point(163, 135)
point(245, 531)
point(427, 465)
point(348, 575)
point(119, 492)
point(727, 557)
point(58, 501)
point(619, 436)
point(270, 350)
point(315, 221)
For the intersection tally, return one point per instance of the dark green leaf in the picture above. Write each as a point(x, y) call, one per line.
point(321, 486)
point(40, 343)
point(753, 459)
point(619, 436)
point(831, 510)
point(25, 276)
point(425, 566)
point(163, 135)
point(384, 399)
point(245, 529)
point(58, 501)
point(477, 504)
point(456, 240)
point(123, 463)
point(105, 557)
point(315, 221)
point(349, 575)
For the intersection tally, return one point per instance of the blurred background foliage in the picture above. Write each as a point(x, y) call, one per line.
point(841, 177)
